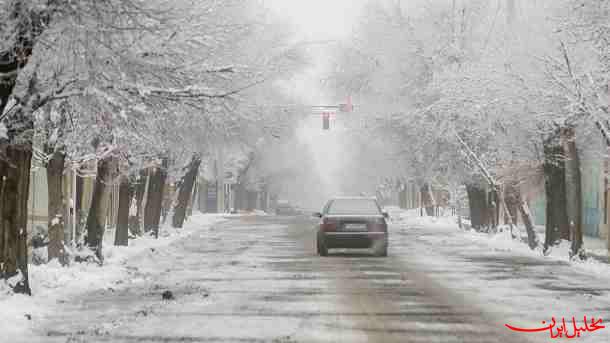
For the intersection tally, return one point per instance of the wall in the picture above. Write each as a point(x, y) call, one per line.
point(38, 198)
point(592, 193)
point(591, 150)
point(594, 165)
point(538, 207)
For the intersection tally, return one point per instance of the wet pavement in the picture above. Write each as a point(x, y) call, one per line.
point(258, 279)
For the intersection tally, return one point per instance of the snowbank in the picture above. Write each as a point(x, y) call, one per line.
point(51, 282)
point(503, 241)
point(501, 275)
point(500, 241)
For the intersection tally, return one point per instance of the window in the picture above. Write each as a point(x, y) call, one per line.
point(354, 206)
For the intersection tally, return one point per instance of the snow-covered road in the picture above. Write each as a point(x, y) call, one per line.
point(257, 279)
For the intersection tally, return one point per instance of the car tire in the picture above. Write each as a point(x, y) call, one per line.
point(323, 250)
point(382, 251)
point(321, 247)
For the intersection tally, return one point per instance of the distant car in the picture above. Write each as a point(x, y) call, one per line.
point(354, 222)
point(284, 208)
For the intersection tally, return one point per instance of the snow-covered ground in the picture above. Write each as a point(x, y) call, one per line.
point(258, 279)
point(51, 282)
point(503, 241)
point(503, 274)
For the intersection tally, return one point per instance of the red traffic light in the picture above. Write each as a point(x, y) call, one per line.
point(347, 107)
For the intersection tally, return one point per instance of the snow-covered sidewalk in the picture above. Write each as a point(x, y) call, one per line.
point(516, 285)
point(503, 241)
point(51, 282)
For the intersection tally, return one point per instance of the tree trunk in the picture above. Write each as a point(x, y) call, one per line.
point(573, 192)
point(508, 219)
point(515, 205)
point(167, 202)
point(96, 219)
point(252, 197)
point(203, 196)
point(121, 237)
point(152, 210)
point(140, 189)
point(265, 199)
point(493, 208)
point(512, 197)
point(428, 199)
point(186, 189)
point(510, 205)
point(241, 196)
point(15, 163)
point(55, 169)
point(526, 215)
point(15, 166)
point(16, 152)
point(555, 188)
point(402, 197)
point(78, 206)
point(194, 199)
point(154, 199)
point(238, 196)
point(478, 206)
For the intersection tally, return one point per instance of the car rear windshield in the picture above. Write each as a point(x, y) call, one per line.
point(353, 206)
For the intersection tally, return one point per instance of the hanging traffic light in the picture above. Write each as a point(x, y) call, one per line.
point(347, 107)
point(325, 121)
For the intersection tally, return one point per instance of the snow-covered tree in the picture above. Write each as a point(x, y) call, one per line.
point(475, 88)
point(144, 83)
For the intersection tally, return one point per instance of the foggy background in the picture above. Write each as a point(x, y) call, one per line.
point(325, 162)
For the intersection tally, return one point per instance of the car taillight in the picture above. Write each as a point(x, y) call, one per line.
point(328, 224)
point(378, 225)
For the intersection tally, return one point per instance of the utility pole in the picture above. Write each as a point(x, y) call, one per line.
point(326, 121)
point(220, 178)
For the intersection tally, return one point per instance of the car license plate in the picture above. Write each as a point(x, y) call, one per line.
point(355, 227)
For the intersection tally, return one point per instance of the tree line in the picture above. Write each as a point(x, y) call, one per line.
point(494, 96)
point(142, 92)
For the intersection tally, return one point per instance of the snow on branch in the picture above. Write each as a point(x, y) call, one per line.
point(190, 92)
point(477, 161)
point(227, 69)
point(186, 92)
point(604, 130)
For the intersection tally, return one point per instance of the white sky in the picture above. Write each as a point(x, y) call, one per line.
point(318, 19)
point(315, 21)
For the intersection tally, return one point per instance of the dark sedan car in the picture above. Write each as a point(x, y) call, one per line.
point(356, 222)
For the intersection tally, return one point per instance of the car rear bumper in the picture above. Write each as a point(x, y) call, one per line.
point(355, 240)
